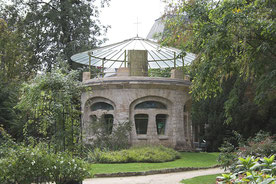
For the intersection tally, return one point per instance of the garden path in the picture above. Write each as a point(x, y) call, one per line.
point(170, 178)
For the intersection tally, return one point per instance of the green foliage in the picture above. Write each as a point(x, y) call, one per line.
point(6, 143)
point(247, 117)
point(227, 157)
point(166, 72)
point(50, 102)
point(117, 140)
point(252, 170)
point(232, 39)
point(9, 116)
point(262, 145)
point(134, 154)
point(14, 58)
point(38, 164)
point(14, 68)
point(55, 28)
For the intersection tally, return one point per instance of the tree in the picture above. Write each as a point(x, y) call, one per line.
point(14, 68)
point(247, 117)
point(50, 103)
point(234, 75)
point(231, 38)
point(14, 58)
point(56, 28)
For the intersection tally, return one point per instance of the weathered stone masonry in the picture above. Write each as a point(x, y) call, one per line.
point(153, 100)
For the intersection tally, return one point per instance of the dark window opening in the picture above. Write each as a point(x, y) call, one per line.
point(108, 123)
point(101, 106)
point(141, 123)
point(150, 105)
point(161, 120)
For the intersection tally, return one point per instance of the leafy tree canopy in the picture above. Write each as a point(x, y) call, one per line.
point(50, 103)
point(231, 38)
point(13, 56)
point(55, 28)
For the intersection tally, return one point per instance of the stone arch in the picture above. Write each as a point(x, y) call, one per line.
point(163, 100)
point(156, 117)
point(108, 114)
point(96, 99)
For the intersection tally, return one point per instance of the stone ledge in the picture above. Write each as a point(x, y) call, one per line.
point(137, 80)
point(151, 172)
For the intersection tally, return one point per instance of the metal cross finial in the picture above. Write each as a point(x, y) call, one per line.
point(137, 23)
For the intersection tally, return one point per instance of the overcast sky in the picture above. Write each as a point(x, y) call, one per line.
point(122, 15)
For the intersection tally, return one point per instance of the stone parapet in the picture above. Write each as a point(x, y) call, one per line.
point(85, 76)
point(176, 74)
point(123, 72)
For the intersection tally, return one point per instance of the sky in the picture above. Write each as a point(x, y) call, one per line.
point(122, 15)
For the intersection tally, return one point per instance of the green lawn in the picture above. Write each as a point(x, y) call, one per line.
point(207, 179)
point(187, 160)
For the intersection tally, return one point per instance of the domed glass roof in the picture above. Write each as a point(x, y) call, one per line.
point(114, 55)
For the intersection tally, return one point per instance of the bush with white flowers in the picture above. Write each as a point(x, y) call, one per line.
point(37, 164)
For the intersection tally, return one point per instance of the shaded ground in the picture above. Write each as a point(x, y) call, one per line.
point(171, 178)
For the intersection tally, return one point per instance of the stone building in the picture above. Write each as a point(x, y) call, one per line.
point(158, 108)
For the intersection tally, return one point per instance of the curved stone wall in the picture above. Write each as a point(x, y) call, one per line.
point(125, 93)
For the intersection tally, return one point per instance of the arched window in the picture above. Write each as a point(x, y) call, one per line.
point(150, 105)
point(101, 106)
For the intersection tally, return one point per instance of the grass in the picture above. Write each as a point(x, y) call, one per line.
point(207, 179)
point(187, 159)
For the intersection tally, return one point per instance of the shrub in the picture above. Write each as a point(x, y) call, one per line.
point(6, 142)
point(27, 165)
point(227, 156)
point(117, 140)
point(134, 154)
point(262, 145)
point(66, 169)
point(252, 170)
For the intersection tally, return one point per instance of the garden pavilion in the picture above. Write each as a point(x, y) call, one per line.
point(157, 107)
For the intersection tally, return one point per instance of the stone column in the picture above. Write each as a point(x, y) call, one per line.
point(176, 74)
point(138, 60)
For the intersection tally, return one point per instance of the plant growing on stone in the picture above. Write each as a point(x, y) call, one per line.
point(109, 137)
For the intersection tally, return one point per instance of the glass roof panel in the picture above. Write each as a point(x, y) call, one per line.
point(114, 54)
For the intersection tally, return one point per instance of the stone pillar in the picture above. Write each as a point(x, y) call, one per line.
point(138, 61)
point(85, 76)
point(176, 74)
point(123, 72)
